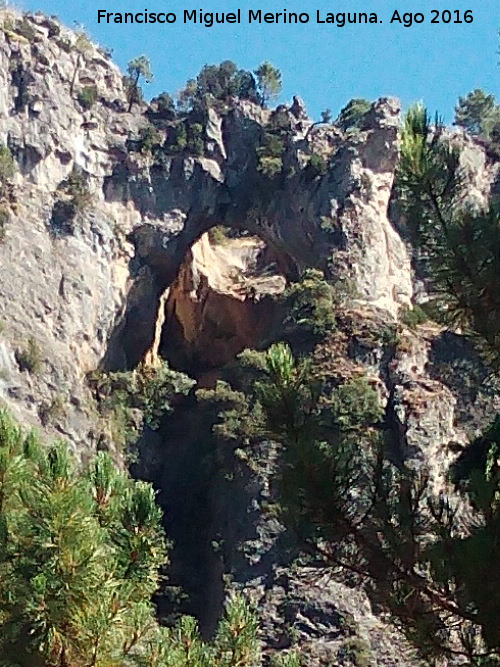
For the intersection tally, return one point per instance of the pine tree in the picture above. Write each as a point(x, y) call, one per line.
point(217, 82)
point(80, 556)
point(473, 110)
point(459, 247)
point(234, 645)
point(349, 506)
point(268, 82)
point(80, 551)
point(137, 68)
point(236, 640)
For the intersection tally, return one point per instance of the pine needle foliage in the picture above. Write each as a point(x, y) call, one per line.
point(79, 559)
point(473, 557)
point(328, 440)
point(80, 551)
point(236, 639)
point(458, 246)
point(473, 110)
point(350, 505)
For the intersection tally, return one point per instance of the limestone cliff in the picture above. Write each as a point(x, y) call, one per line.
point(93, 294)
point(126, 272)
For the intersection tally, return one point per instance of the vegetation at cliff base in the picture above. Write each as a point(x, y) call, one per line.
point(80, 555)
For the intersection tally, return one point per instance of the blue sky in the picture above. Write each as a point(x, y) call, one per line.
point(324, 64)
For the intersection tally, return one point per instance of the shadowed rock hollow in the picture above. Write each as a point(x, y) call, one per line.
point(220, 303)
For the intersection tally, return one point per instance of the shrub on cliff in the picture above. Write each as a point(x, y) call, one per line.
point(270, 155)
point(310, 305)
point(149, 137)
point(72, 197)
point(163, 106)
point(87, 97)
point(352, 114)
point(7, 169)
point(317, 166)
point(126, 398)
point(30, 357)
point(412, 317)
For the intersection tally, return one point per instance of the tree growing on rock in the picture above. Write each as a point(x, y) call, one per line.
point(479, 115)
point(351, 507)
point(163, 106)
point(268, 81)
point(473, 110)
point(326, 116)
point(218, 82)
point(352, 114)
point(137, 68)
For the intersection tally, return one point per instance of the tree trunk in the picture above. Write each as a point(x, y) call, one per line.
point(133, 93)
point(77, 67)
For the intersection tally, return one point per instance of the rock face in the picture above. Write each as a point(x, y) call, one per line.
point(59, 296)
point(92, 296)
point(220, 303)
point(332, 623)
point(105, 262)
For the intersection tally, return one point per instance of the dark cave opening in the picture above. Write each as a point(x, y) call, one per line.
point(224, 299)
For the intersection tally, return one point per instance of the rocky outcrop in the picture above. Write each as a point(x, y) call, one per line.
point(60, 297)
point(331, 623)
point(88, 292)
point(105, 262)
